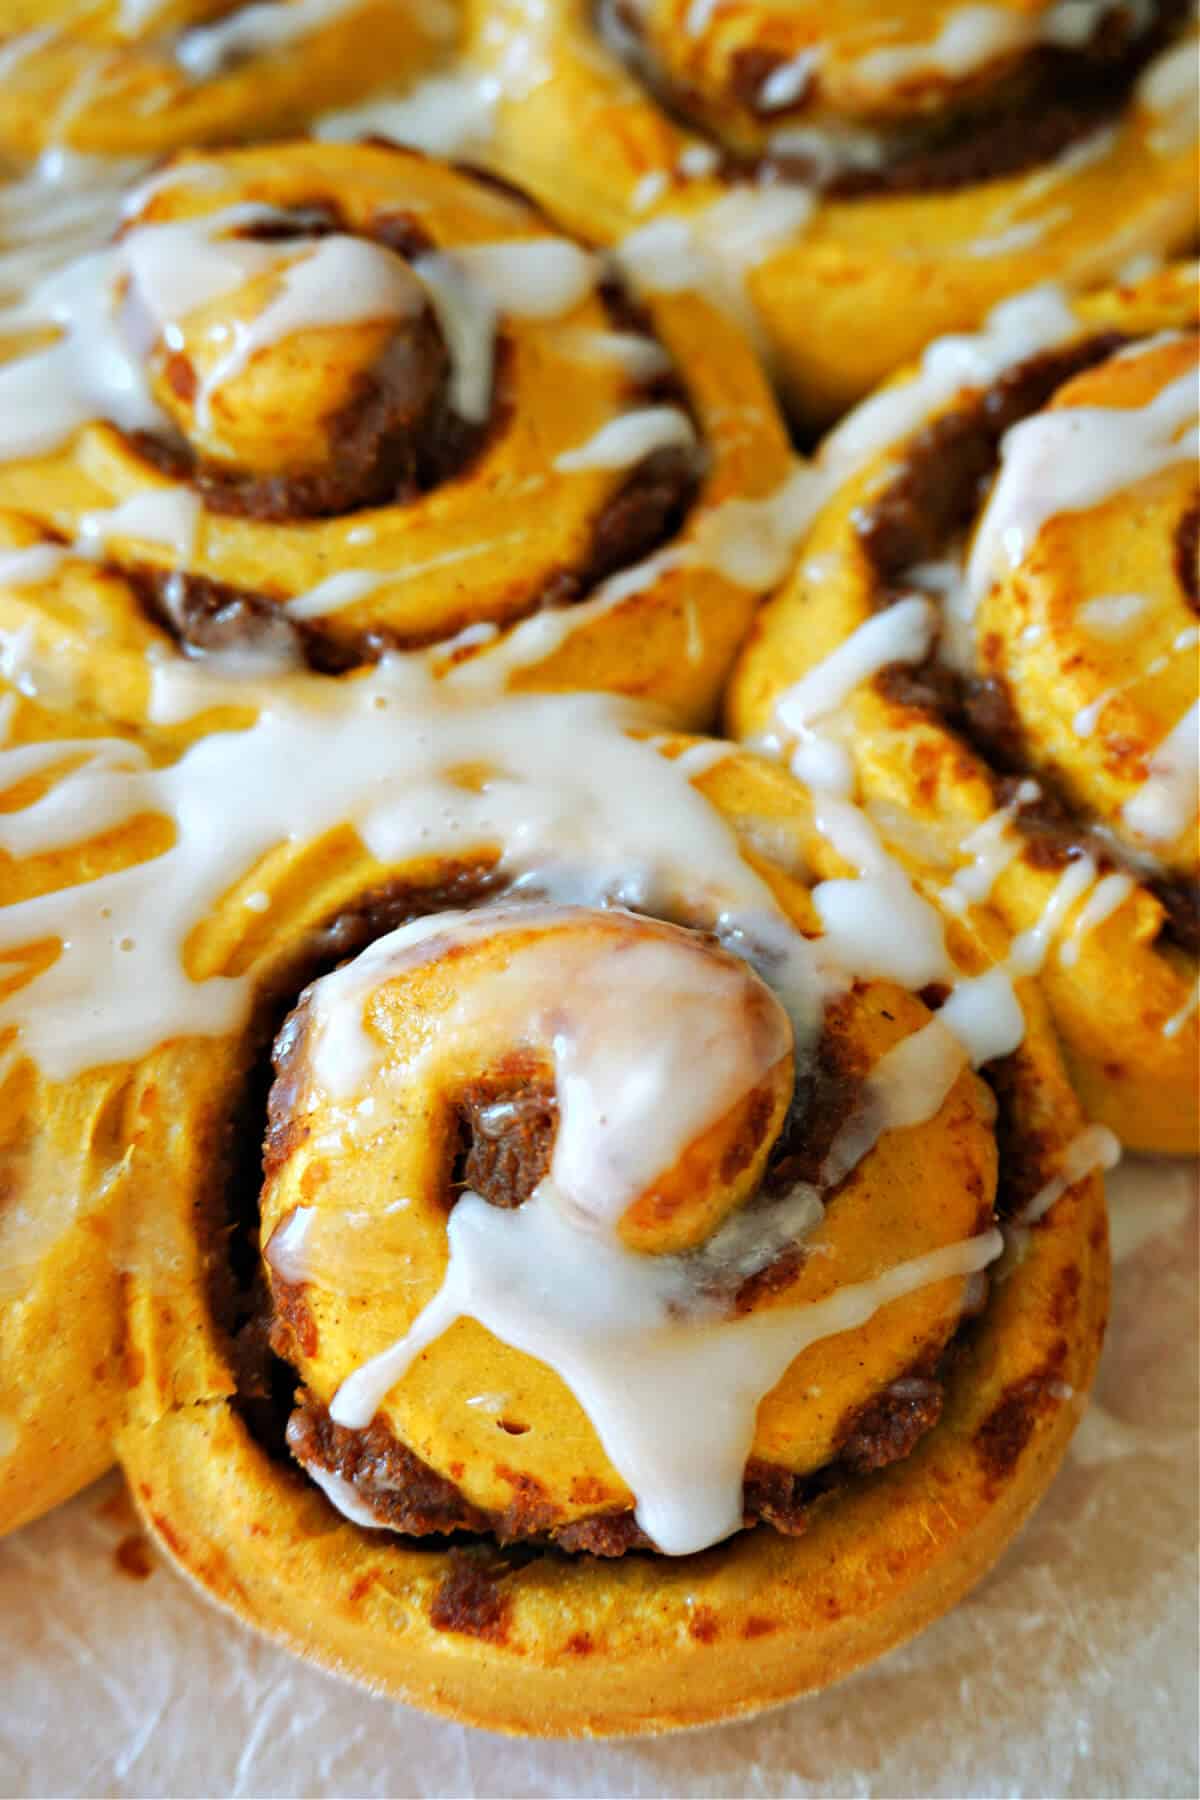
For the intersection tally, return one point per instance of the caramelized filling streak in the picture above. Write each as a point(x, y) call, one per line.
point(1058, 96)
point(501, 1149)
point(397, 439)
point(916, 518)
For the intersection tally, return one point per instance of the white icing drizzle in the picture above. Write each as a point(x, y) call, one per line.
point(343, 1494)
point(1165, 804)
point(207, 50)
point(1111, 615)
point(876, 924)
point(1020, 236)
point(880, 925)
point(534, 278)
point(134, 15)
point(830, 150)
point(974, 36)
point(628, 438)
point(788, 81)
point(64, 207)
point(15, 50)
point(1088, 717)
point(1017, 329)
point(901, 633)
point(341, 280)
point(447, 115)
point(552, 1278)
point(351, 585)
point(1094, 1148)
point(1103, 901)
point(94, 369)
point(1170, 90)
point(699, 16)
point(1179, 1019)
point(166, 515)
point(684, 1461)
point(580, 811)
point(649, 189)
point(985, 1016)
point(561, 807)
point(641, 358)
point(47, 395)
point(25, 568)
point(1069, 459)
point(697, 162)
point(971, 37)
point(991, 847)
point(715, 248)
point(1030, 948)
point(906, 1087)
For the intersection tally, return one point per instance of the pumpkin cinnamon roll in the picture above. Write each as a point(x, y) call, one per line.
point(654, 1250)
point(142, 77)
point(859, 179)
point(990, 638)
point(322, 402)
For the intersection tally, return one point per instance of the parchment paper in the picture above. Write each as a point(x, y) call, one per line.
point(1071, 1671)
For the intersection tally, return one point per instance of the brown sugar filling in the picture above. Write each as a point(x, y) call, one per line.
point(1059, 96)
point(398, 439)
point(501, 1148)
point(923, 509)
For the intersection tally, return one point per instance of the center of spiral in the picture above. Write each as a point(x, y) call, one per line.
point(284, 353)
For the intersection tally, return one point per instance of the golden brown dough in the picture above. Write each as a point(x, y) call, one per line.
point(871, 179)
point(497, 442)
point(580, 1644)
point(143, 77)
point(1080, 663)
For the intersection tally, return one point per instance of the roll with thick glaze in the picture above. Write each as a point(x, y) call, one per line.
point(638, 1267)
point(990, 638)
point(320, 402)
point(860, 179)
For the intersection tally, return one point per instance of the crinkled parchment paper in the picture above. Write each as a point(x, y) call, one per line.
point(1071, 1671)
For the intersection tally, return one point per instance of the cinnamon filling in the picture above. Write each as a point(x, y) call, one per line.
point(399, 439)
point(500, 1148)
point(409, 1497)
point(928, 504)
point(1059, 96)
point(506, 1129)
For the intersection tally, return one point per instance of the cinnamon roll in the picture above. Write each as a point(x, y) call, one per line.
point(859, 179)
point(142, 77)
point(320, 402)
point(991, 638)
point(654, 1250)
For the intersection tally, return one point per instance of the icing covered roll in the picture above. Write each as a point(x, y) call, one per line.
point(322, 401)
point(859, 179)
point(140, 77)
point(990, 639)
point(631, 1184)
